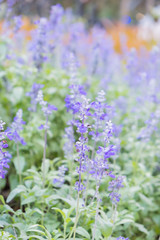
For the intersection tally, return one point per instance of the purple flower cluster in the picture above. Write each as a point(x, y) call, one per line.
point(39, 43)
point(47, 109)
point(81, 145)
point(56, 14)
point(114, 187)
point(10, 3)
point(76, 90)
point(151, 127)
point(58, 182)
point(122, 238)
point(100, 116)
point(17, 23)
point(69, 142)
point(4, 155)
point(102, 130)
point(13, 132)
point(33, 95)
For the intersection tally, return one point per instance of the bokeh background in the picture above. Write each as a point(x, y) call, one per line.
point(136, 21)
point(93, 10)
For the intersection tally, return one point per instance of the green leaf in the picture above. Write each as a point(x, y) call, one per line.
point(17, 95)
point(29, 199)
point(3, 51)
point(105, 227)
point(19, 164)
point(81, 231)
point(141, 228)
point(123, 221)
point(61, 212)
point(146, 200)
point(15, 192)
point(6, 236)
point(31, 237)
point(47, 234)
point(37, 231)
point(2, 183)
point(2, 199)
point(47, 165)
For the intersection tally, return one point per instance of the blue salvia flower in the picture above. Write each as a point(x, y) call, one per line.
point(73, 101)
point(122, 238)
point(114, 187)
point(56, 29)
point(56, 14)
point(81, 145)
point(58, 182)
point(69, 142)
point(4, 155)
point(39, 44)
point(47, 109)
point(33, 95)
point(102, 130)
point(11, 3)
point(76, 32)
point(100, 116)
point(76, 90)
point(151, 127)
point(13, 132)
point(17, 23)
point(99, 164)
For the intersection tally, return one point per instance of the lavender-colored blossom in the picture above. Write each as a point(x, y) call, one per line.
point(69, 142)
point(10, 3)
point(114, 187)
point(99, 165)
point(39, 43)
point(4, 155)
point(100, 116)
point(102, 130)
point(17, 23)
point(47, 109)
point(58, 182)
point(56, 14)
point(76, 90)
point(122, 238)
point(13, 132)
point(81, 145)
point(33, 95)
point(2, 125)
point(151, 126)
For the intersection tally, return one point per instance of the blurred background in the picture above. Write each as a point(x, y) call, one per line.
point(93, 10)
point(137, 20)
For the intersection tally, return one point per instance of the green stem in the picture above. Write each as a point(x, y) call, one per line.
point(77, 211)
point(77, 216)
point(97, 211)
point(113, 219)
point(19, 168)
point(44, 153)
point(64, 231)
point(43, 168)
point(88, 175)
point(70, 170)
point(19, 174)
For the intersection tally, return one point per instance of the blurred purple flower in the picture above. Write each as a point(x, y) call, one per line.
point(122, 238)
point(13, 132)
point(58, 182)
point(33, 95)
point(114, 187)
point(4, 155)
